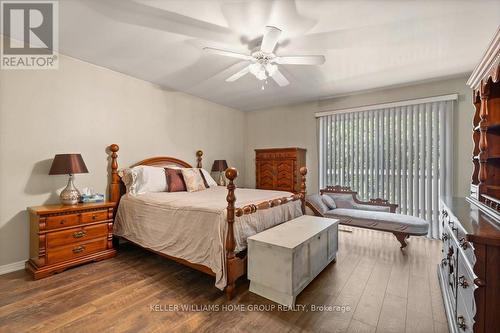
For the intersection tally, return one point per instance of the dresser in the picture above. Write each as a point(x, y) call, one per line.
point(469, 272)
point(278, 168)
point(65, 236)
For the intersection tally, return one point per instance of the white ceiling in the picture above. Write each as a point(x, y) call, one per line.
point(367, 44)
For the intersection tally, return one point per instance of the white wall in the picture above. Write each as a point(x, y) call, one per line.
point(295, 125)
point(82, 108)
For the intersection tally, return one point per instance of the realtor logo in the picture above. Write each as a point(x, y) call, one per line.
point(30, 35)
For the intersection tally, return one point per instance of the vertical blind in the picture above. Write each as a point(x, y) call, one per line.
point(398, 151)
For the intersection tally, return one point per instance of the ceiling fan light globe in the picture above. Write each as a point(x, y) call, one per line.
point(254, 68)
point(271, 69)
point(261, 75)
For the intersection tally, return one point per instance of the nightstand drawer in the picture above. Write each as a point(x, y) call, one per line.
point(60, 238)
point(99, 215)
point(76, 250)
point(61, 221)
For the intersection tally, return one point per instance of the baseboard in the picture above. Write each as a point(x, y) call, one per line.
point(15, 266)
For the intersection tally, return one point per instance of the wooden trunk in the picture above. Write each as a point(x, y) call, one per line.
point(278, 168)
point(283, 260)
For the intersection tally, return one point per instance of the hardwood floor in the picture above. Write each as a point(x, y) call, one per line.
point(386, 291)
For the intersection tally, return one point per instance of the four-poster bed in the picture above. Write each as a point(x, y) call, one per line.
point(234, 262)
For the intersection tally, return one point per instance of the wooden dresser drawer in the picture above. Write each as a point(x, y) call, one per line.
point(61, 221)
point(74, 235)
point(75, 250)
point(465, 285)
point(464, 319)
point(95, 216)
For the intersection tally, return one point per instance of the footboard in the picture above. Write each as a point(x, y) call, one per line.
point(236, 267)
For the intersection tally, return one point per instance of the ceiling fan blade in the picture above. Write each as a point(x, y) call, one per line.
point(141, 14)
point(301, 60)
point(270, 39)
point(227, 53)
point(237, 75)
point(280, 79)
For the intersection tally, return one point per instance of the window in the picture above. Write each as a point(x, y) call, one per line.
point(396, 151)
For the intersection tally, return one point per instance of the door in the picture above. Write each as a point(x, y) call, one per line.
point(265, 175)
point(285, 175)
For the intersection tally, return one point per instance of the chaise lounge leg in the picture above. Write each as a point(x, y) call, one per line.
point(230, 291)
point(402, 237)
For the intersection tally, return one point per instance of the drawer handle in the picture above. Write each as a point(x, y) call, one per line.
point(463, 243)
point(62, 221)
point(450, 252)
point(79, 249)
point(462, 281)
point(79, 234)
point(452, 226)
point(480, 283)
point(444, 236)
point(94, 217)
point(461, 322)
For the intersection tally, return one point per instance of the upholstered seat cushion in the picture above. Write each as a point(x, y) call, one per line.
point(372, 208)
point(410, 224)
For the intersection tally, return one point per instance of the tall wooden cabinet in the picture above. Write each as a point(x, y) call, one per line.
point(469, 272)
point(485, 83)
point(278, 168)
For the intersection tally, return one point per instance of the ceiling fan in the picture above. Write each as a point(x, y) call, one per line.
point(264, 63)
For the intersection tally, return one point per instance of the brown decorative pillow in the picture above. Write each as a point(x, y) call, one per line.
point(175, 180)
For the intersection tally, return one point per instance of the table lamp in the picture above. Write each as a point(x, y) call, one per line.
point(220, 166)
point(68, 164)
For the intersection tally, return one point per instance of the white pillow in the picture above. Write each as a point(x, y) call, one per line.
point(143, 179)
point(210, 181)
point(328, 201)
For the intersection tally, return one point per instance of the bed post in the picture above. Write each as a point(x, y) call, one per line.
point(199, 154)
point(114, 187)
point(231, 174)
point(303, 173)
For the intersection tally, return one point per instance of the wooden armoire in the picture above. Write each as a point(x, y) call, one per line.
point(278, 168)
point(469, 272)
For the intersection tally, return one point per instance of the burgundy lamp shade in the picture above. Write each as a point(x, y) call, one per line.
point(219, 165)
point(65, 164)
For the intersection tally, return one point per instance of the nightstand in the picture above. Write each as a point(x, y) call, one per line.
point(65, 236)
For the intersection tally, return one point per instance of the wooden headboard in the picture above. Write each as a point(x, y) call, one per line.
point(117, 188)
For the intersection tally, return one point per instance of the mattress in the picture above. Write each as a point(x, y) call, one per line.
point(193, 225)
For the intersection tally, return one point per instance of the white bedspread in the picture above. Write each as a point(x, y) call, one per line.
point(193, 226)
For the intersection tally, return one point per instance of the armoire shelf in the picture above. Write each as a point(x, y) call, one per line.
point(485, 83)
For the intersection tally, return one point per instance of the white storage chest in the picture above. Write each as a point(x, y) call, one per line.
point(284, 259)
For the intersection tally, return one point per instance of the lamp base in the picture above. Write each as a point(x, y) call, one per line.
point(70, 195)
point(222, 179)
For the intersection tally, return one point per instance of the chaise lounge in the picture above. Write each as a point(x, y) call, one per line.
point(378, 214)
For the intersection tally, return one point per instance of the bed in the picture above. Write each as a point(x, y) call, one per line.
point(205, 230)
